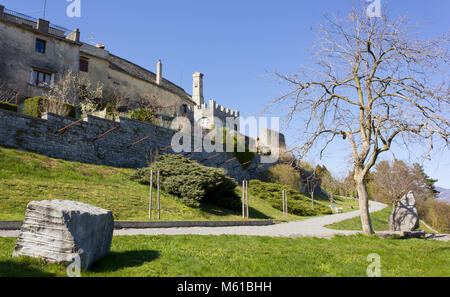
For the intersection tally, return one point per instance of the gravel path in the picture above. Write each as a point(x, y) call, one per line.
point(313, 227)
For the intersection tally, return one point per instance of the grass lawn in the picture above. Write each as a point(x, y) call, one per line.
point(379, 222)
point(25, 177)
point(241, 256)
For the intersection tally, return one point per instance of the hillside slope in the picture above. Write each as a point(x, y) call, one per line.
point(26, 176)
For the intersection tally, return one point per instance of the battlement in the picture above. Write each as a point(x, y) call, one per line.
point(218, 110)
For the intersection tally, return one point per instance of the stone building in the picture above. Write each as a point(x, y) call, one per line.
point(35, 53)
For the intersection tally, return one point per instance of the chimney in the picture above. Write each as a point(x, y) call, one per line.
point(43, 26)
point(197, 89)
point(99, 45)
point(74, 35)
point(159, 72)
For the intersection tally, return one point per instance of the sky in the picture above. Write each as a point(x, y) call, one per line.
point(236, 44)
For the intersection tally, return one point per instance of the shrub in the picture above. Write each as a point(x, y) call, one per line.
point(437, 214)
point(192, 182)
point(8, 106)
point(285, 175)
point(38, 105)
point(298, 204)
point(142, 114)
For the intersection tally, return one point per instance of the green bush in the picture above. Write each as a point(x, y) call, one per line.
point(8, 106)
point(142, 114)
point(298, 204)
point(38, 105)
point(192, 182)
point(285, 175)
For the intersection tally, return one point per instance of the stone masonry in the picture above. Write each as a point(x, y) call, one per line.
point(78, 143)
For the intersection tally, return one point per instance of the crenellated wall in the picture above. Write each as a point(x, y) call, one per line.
point(80, 143)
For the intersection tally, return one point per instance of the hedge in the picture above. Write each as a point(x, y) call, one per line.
point(192, 182)
point(37, 106)
point(8, 106)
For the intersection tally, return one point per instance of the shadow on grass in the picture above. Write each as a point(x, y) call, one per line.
point(218, 211)
point(17, 269)
point(118, 260)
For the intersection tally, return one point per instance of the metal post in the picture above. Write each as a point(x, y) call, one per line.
point(246, 194)
point(159, 200)
point(282, 198)
point(243, 199)
point(286, 203)
point(151, 195)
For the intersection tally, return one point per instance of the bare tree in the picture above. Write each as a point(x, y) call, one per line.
point(114, 99)
point(375, 82)
point(149, 101)
point(393, 182)
point(7, 94)
point(312, 182)
point(73, 89)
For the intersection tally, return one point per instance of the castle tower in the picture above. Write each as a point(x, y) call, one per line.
point(197, 89)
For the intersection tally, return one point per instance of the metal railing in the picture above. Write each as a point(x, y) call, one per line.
point(33, 19)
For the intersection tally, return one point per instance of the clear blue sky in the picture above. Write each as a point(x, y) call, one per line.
point(234, 43)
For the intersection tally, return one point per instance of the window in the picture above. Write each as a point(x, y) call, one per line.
point(40, 46)
point(84, 65)
point(41, 79)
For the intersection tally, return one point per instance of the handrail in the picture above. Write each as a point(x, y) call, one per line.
point(33, 19)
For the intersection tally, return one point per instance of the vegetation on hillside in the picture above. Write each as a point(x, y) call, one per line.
point(26, 177)
point(298, 204)
point(193, 183)
point(284, 174)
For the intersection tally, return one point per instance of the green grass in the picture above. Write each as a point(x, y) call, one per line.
point(26, 177)
point(184, 256)
point(379, 222)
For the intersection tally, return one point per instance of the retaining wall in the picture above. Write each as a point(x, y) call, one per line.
point(79, 142)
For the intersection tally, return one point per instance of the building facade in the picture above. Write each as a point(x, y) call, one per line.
point(34, 54)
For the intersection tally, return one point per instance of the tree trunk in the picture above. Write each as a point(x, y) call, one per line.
point(363, 196)
point(312, 197)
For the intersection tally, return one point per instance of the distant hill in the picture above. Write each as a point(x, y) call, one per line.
point(444, 194)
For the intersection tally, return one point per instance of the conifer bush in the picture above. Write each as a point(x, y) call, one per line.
point(192, 182)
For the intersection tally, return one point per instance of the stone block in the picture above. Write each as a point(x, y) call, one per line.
point(58, 230)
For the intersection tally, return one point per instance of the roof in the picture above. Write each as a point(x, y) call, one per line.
point(132, 69)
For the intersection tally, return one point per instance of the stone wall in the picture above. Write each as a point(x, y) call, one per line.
point(79, 142)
